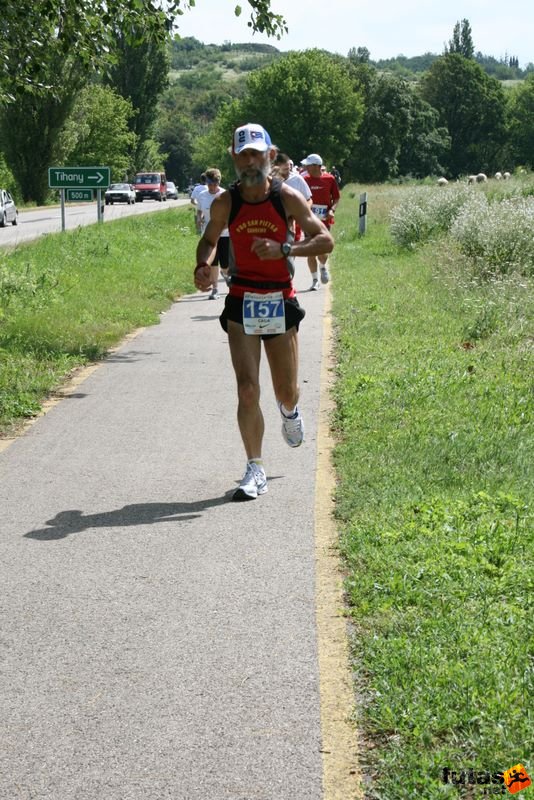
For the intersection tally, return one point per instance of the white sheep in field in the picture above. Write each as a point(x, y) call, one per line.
point(471, 179)
point(481, 178)
point(498, 176)
point(506, 175)
point(442, 181)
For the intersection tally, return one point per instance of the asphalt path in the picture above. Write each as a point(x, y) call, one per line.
point(157, 640)
point(47, 219)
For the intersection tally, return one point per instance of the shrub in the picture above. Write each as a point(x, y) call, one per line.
point(497, 237)
point(427, 212)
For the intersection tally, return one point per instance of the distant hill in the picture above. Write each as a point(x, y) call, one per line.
point(189, 53)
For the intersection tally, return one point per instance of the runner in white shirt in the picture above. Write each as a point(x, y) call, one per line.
point(291, 177)
point(204, 201)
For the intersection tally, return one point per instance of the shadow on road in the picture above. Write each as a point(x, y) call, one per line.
point(74, 521)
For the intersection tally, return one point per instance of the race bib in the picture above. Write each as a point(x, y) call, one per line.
point(320, 211)
point(264, 313)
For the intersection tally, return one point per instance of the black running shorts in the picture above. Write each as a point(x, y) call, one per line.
point(233, 310)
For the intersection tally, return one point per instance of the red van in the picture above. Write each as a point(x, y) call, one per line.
point(152, 185)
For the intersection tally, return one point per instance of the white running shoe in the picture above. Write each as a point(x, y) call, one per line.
point(254, 483)
point(292, 428)
point(315, 285)
point(325, 275)
point(214, 295)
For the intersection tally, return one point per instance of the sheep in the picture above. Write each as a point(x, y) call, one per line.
point(442, 181)
point(481, 178)
point(506, 175)
point(498, 176)
point(471, 179)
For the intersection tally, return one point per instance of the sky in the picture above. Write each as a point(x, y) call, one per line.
point(387, 28)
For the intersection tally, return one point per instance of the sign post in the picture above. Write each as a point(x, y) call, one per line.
point(76, 179)
point(363, 213)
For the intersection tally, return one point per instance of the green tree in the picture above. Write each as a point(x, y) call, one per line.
point(400, 132)
point(472, 106)
point(521, 124)
point(38, 118)
point(462, 40)
point(175, 135)
point(308, 102)
point(87, 30)
point(97, 132)
point(360, 55)
point(212, 149)
point(49, 51)
point(140, 74)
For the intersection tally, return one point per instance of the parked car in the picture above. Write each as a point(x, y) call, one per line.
point(8, 209)
point(150, 185)
point(172, 191)
point(120, 193)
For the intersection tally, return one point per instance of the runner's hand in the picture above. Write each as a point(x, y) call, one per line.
point(202, 277)
point(266, 249)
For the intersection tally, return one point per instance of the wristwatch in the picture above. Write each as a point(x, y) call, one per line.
point(285, 247)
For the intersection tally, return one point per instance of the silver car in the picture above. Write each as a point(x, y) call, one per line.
point(8, 209)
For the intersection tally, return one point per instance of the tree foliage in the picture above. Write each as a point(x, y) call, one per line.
point(86, 31)
point(139, 73)
point(98, 132)
point(472, 106)
point(522, 123)
point(308, 102)
point(462, 40)
point(400, 132)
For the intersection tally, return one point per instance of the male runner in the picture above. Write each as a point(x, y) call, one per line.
point(291, 177)
point(261, 304)
point(204, 201)
point(325, 196)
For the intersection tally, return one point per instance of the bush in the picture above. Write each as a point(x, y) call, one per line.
point(497, 237)
point(427, 212)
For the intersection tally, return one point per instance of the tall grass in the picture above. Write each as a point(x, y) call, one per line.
point(493, 228)
point(69, 297)
point(435, 463)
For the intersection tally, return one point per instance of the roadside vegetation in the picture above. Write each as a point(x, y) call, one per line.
point(66, 299)
point(435, 466)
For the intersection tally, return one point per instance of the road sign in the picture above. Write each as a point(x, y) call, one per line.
point(78, 177)
point(79, 195)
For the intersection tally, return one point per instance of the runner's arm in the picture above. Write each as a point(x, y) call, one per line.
point(318, 239)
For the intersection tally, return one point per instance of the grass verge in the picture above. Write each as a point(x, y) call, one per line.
point(434, 459)
point(69, 297)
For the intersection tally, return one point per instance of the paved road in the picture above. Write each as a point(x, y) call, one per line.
point(35, 223)
point(157, 640)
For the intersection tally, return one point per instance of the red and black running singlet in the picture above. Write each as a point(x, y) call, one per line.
point(248, 221)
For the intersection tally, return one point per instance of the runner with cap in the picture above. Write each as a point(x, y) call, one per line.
point(325, 197)
point(261, 305)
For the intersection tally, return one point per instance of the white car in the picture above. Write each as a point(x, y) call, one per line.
point(8, 209)
point(172, 191)
point(119, 193)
